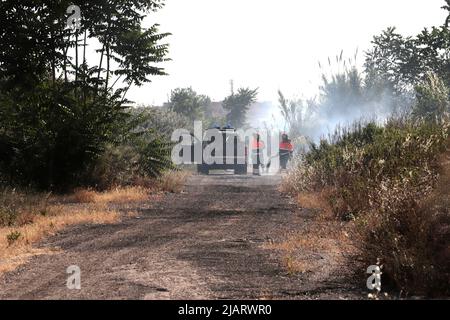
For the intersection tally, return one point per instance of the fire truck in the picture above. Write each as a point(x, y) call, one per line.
point(235, 159)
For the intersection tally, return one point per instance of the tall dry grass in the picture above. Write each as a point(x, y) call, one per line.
point(116, 195)
point(391, 182)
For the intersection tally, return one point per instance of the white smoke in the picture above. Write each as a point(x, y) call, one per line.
point(323, 120)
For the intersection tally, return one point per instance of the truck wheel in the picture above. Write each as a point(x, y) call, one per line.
point(240, 169)
point(203, 169)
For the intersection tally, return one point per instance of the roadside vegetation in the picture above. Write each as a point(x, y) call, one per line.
point(386, 179)
point(26, 217)
point(73, 149)
point(65, 119)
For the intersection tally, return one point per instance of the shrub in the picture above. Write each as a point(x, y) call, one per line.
point(118, 165)
point(402, 234)
point(389, 180)
point(143, 154)
point(354, 163)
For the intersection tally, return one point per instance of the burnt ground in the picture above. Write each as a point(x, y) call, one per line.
point(209, 242)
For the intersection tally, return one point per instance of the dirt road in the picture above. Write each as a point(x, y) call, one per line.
point(209, 242)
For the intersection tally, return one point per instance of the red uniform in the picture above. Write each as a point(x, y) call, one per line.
point(257, 146)
point(286, 150)
point(286, 146)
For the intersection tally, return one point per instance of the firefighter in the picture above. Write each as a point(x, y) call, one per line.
point(257, 154)
point(286, 150)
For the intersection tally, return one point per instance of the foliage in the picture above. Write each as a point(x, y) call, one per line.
point(342, 92)
point(389, 178)
point(141, 153)
point(404, 62)
point(19, 207)
point(379, 177)
point(186, 102)
point(57, 113)
point(355, 161)
point(447, 7)
point(346, 96)
point(238, 104)
point(346, 92)
point(48, 137)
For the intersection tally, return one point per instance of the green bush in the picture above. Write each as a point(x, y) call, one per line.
point(142, 153)
point(58, 113)
point(385, 178)
point(354, 162)
point(48, 139)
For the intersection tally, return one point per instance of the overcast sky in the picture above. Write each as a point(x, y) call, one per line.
point(271, 44)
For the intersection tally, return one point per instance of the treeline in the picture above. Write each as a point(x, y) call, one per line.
point(64, 118)
point(187, 103)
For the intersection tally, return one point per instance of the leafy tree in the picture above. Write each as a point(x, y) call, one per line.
point(186, 102)
point(238, 104)
point(389, 60)
point(404, 65)
point(447, 7)
point(57, 113)
point(404, 62)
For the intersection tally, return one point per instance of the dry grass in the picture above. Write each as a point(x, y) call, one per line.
point(172, 181)
point(410, 234)
point(26, 217)
point(295, 264)
point(117, 195)
point(321, 246)
point(20, 207)
point(385, 182)
point(16, 242)
point(317, 201)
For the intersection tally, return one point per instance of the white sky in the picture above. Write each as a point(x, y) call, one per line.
point(271, 44)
